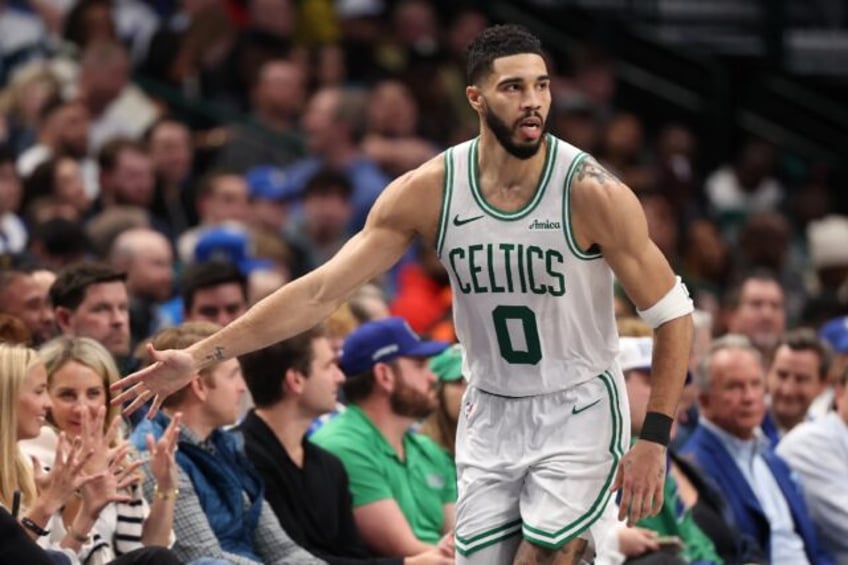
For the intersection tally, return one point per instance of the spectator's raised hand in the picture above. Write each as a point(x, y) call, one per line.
point(100, 442)
point(163, 466)
point(101, 490)
point(633, 542)
point(66, 476)
point(432, 557)
point(110, 485)
point(446, 545)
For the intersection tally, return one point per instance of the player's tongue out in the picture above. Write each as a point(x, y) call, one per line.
point(530, 128)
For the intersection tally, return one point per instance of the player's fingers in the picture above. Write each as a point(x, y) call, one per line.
point(143, 395)
point(155, 406)
point(648, 503)
point(637, 498)
point(658, 499)
point(129, 394)
point(624, 504)
point(129, 382)
point(619, 477)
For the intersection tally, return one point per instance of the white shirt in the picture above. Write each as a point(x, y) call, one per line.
point(13, 233)
point(818, 452)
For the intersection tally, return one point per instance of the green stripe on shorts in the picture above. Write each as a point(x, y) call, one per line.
point(555, 540)
point(467, 546)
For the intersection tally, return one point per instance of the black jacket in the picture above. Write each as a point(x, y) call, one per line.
point(313, 503)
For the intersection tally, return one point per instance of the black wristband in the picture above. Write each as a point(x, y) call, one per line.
point(657, 428)
point(33, 527)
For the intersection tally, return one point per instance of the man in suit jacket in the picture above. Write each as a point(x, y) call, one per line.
point(729, 446)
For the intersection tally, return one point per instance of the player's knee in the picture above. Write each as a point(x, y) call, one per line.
point(568, 554)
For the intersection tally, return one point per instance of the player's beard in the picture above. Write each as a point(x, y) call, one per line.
point(410, 403)
point(504, 134)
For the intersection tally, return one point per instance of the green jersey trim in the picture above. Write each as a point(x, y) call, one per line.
point(576, 250)
point(494, 211)
point(447, 191)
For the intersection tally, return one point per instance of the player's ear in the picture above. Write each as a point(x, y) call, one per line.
point(475, 97)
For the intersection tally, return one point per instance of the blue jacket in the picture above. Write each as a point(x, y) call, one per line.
point(707, 451)
point(220, 481)
point(770, 429)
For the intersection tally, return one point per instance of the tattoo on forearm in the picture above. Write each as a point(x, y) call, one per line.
point(217, 354)
point(590, 168)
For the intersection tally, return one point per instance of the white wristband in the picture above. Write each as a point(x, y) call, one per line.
point(675, 304)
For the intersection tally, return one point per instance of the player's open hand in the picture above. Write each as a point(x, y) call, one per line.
point(170, 371)
point(641, 478)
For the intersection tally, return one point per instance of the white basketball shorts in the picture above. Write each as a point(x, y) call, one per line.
point(539, 466)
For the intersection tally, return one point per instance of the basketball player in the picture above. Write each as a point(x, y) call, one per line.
point(531, 231)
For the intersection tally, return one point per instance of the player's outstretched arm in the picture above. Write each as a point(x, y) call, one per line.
point(407, 207)
point(607, 213)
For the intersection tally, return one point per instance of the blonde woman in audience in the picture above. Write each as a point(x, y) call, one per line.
point(24, 404)
point(79, 372)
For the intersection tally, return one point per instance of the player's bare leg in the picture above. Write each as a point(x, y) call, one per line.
point(531, 554)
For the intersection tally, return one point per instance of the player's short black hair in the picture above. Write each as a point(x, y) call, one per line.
point(496, 42)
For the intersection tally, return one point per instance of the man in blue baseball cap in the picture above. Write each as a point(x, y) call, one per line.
point(270, 199)
point(402, 484)
point(229, 243)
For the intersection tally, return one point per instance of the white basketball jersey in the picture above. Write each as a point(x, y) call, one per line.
point(533, 311)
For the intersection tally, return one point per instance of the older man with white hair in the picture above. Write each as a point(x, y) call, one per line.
point(729, 446)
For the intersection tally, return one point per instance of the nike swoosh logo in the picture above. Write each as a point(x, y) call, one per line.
point(457, 222)
point(576, 410)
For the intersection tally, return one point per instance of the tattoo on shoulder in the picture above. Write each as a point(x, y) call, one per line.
point(589, 168)
point(217, 354)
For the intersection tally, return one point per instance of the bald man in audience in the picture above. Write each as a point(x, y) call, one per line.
point(146, 256)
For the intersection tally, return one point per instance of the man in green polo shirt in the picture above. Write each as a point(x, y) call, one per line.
point(403, 485)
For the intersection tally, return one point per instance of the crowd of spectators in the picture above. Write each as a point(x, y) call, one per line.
point(164, 165)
